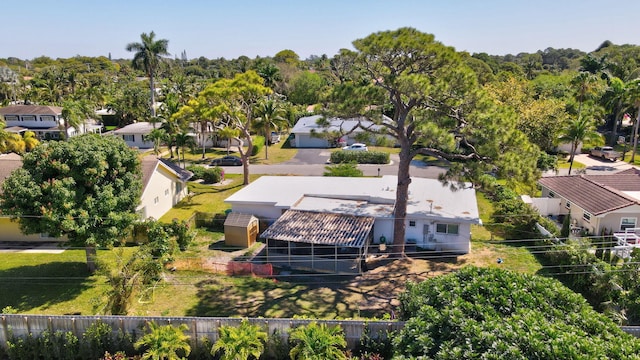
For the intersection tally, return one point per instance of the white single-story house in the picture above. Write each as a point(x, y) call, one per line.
point(336, 216)
point(596, 203)
point(305, 132)
point(135, 135)
point(45, 121)
point(164, 185)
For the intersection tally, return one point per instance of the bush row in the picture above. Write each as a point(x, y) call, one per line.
point(100, 341)
point(360, 157)
point(208, 175)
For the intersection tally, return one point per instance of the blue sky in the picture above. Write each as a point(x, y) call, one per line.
point(230, 28)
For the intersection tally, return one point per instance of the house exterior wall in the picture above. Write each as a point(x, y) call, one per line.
point(10, 231)
point(613, 221)
point(383, 227)
point(308, 141)
point(136, 140)
point(162, 192)
point(424, 234)
point(264, 212)
point(33, 121)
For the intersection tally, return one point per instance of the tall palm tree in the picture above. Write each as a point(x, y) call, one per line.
point(243, 342)
point(183, 139)
point(270, 114)
point(577, 131)
point(148, 54)
point(586, 85)
point(634, 98)
point(75, 113)
point(157, 136)
point(615, 99)
point(164, 342)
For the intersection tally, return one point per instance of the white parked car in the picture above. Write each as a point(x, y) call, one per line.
point(356, 146)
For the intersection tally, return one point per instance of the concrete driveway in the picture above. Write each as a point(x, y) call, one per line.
point(593, 166)
point(597, 164)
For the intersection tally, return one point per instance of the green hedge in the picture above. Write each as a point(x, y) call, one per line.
point(360, 157)
point(258, 144)
point(208, 175)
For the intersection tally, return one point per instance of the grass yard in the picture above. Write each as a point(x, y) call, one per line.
point(563, 163)
point(278, 153)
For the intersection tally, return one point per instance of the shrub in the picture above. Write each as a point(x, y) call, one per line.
point(321, 342)
point(213, 175)
point(98, 339)
point(57, 345)
point(243, 342)
point(258, 144)
point(198, 171)
point(359, 157)
point(497, 314)
point(343, 170)
point(549, 225)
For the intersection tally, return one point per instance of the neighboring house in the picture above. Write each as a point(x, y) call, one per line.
point(328, 223)
point(45, 121)
point(135, 135)
point(10, 229)
point(596, 203)
point(164, 185)
point(305, 134)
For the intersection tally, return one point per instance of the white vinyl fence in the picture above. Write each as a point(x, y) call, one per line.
point(199, 327)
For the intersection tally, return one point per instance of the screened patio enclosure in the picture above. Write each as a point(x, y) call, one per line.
point(316, 241)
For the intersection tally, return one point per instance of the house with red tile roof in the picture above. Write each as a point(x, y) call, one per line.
point(596, 203)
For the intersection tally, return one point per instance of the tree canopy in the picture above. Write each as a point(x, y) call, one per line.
point(86, 189)
point(435, 107)
point(497, 314)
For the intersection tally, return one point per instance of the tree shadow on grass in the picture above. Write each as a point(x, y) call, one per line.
point(284, 297)
point(40, 286)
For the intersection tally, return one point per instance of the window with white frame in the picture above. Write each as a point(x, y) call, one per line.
point(452, 229)
point(568, 204)
point(552, 194)
point(412, 223)
point(166, 192)
point(129, 137)
point(586, 216)
point(156, 200)
point(627, 223)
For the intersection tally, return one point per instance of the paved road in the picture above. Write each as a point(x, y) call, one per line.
point(312, 162)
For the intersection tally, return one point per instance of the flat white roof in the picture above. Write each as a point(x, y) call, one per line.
point(136, 128)
point(427, 197)
point(341, 206)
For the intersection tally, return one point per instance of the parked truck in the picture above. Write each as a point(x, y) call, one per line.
point(605, 152)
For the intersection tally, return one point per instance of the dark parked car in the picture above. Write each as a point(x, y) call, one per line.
point(229, 160)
